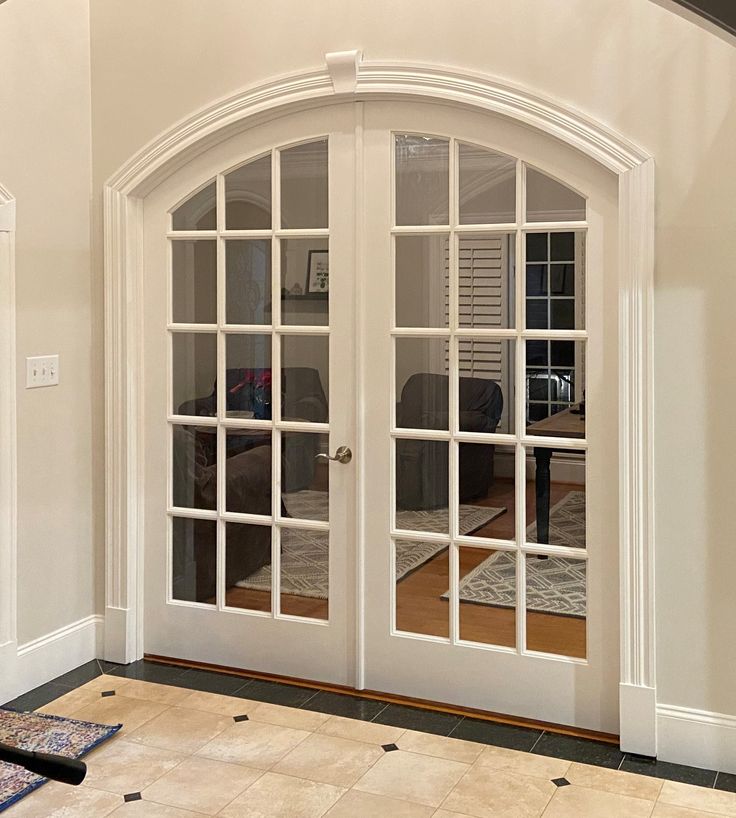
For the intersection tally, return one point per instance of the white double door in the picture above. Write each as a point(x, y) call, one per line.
point(427, 288)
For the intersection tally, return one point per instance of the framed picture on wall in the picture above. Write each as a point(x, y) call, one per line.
point(318, 271)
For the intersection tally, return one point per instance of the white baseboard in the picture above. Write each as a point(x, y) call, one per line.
point(41, 660)
point(696, 737)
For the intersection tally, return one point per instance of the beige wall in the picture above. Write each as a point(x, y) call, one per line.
point(45, 163)
point(654, 77)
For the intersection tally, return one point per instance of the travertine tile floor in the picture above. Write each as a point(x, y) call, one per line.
point(190, 753)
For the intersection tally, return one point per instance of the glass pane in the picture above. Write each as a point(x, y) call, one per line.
point(304, 187)
point(198, 212)
point(194, 282)
point(487, 484)
point(547, 200)
point(305, 382)
point(422, 281)
point(422, 485)
point(194, 473)
point(554, 282)
point(487, 186)
point(248, 376)
point(248, 471)
point(486, 389)
point(422, 180)
point(555, 383)
point(421, 383)
point(305, 573)
point(422, 577)
point(305, 281)
point(248, 273)
point(248, 566)
point(486, 281)
point(487, 596)
point(305, 482)
point(556, 605)
point(555, 488)
point(194, 371)
point(194, 560)
point(248, 196)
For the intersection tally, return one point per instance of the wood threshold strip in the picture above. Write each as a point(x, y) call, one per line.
point(391, 698)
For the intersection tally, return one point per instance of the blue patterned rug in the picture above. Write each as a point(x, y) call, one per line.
point(47, 734)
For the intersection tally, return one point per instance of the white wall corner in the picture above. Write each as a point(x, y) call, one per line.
point(638, 708)
point(697, 738)
point(343, 69)
point(7, 216)
point(120, 636)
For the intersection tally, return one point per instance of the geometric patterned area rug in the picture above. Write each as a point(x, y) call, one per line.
point(47, 734)
point(556, 585)
point(305, 554)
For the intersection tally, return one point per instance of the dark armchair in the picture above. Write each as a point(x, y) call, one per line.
point(424, 405)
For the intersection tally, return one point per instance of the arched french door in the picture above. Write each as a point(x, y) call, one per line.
point(434, 290)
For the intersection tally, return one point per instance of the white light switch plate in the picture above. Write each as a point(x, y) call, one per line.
point(42, 370)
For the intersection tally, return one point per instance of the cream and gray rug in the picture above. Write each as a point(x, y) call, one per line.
point(555, 585)
point(305, 554)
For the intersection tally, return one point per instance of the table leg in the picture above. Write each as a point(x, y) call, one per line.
point(542, 457)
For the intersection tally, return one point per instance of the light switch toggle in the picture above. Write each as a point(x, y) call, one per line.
point(42, 370)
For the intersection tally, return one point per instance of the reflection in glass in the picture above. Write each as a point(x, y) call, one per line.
point(248, 471)
point(194, 560)
point(555, 382)
point(305, 486)
point(305, 574)
point(487, 482)
point(194, 371)
point(422, 281)
point(486, 387)
point(422, 577)
point(486, 281)
point(194, 282)
point(422, 485)
point(487, 596)
point(422, 383)
point(248, 376)
point(302, 261)
point(194, 472)
point(554, 289)
point(248, 196)
point(556, 605)
point(547, 200)
point(487, 186)
point(305, 366)
point(248, 274)
point(556, 483)
point(198, 212)
point(422, 180)
point(248, 566)
point(304, 187)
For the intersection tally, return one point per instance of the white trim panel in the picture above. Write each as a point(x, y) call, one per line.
point(697, 738)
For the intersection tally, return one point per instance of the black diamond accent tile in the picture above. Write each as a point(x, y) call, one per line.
point(583, 750)
point(560, 782)
point(389, 748)
point(37, 697)
point(341, 704)
point(132, 796)
point(210, 682)
point(275, 693)
point(499, 735)
point(415, 718)
point(726, 781)
point(107, 693)
point(240, 718)
point(644, 765)
point(150, 672)
point(79, 676)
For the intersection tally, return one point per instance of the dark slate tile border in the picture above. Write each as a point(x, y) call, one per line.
point(525, 739)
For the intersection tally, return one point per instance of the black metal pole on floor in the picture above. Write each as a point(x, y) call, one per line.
point(59, 768)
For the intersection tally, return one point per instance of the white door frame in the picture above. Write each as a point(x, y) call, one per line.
point(345, 77)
